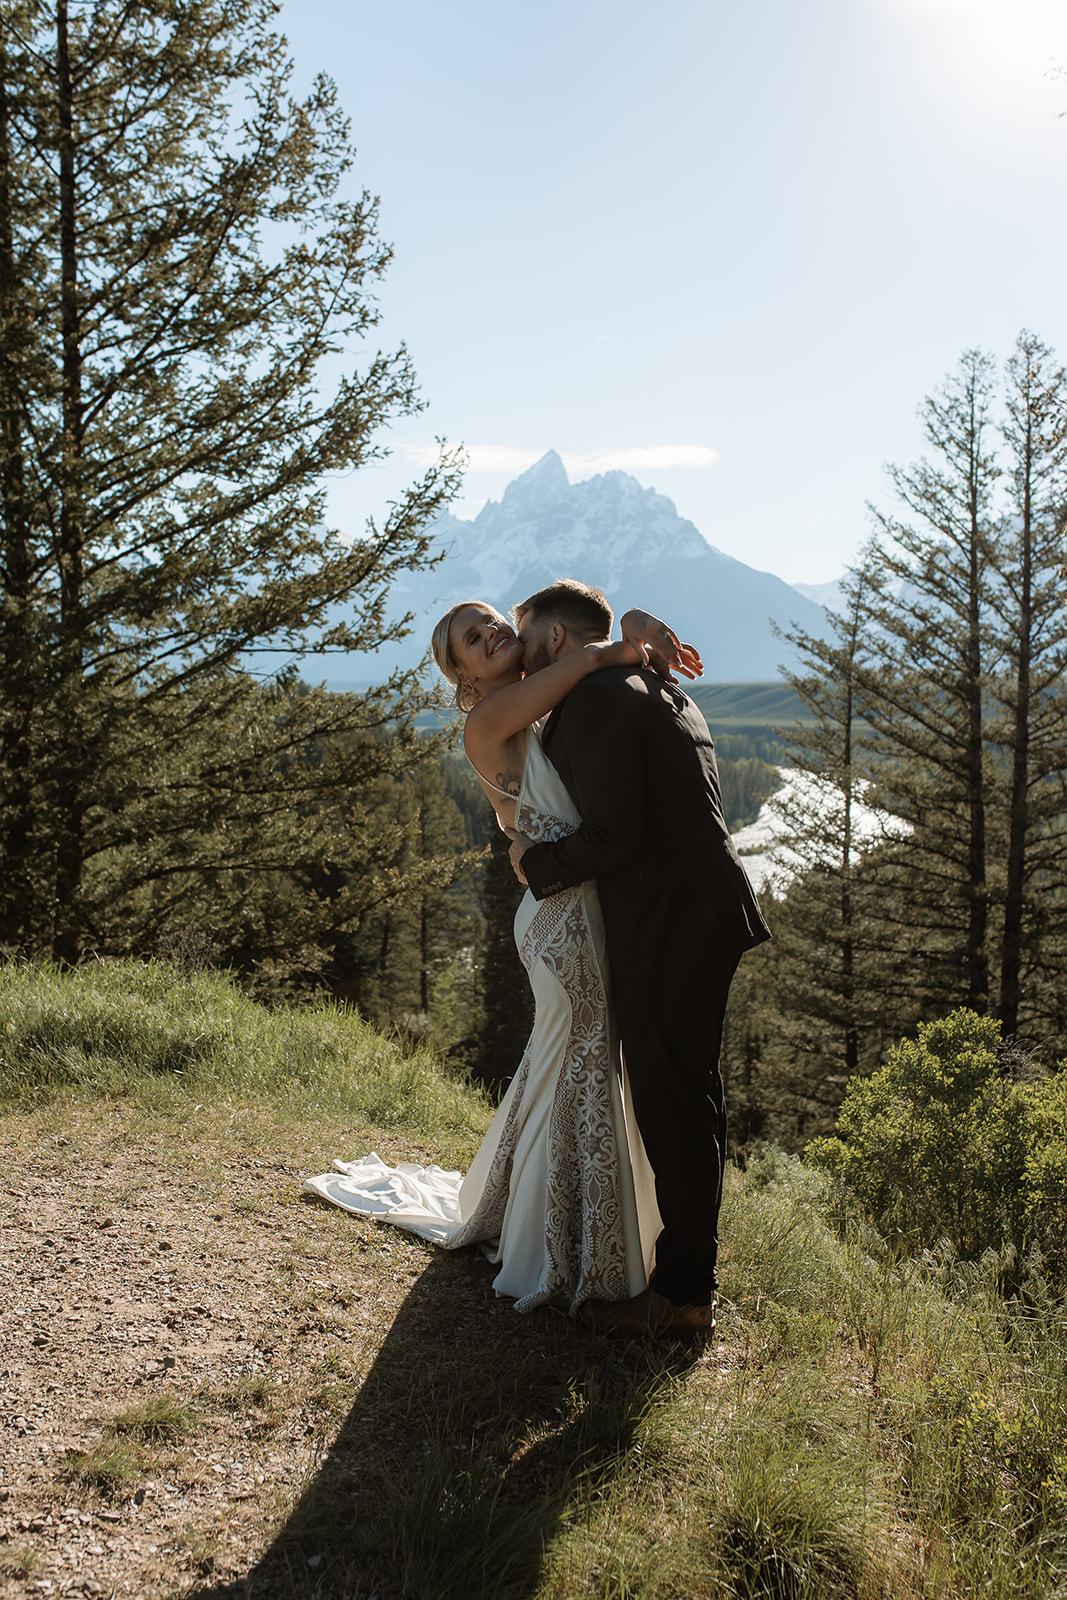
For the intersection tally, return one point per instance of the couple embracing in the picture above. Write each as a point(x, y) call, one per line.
point(599, 1182)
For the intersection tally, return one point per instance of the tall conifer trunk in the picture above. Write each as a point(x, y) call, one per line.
point(1024, 369)
point(926, 689)
point(848, 949)
point(16, 721)
point(1019, 812)
point(69, 790)
point(1030, 689)
point(976, 956)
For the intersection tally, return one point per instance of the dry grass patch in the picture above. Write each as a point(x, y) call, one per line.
point(162, 1418)
point(20, 1559)
point(110, 1468)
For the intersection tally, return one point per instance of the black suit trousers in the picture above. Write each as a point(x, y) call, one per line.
point(671, 1025)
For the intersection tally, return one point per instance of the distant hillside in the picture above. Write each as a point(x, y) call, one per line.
point(732, 707)
point(743, 717)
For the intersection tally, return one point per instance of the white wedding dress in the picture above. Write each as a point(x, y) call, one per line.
point(560, 1194)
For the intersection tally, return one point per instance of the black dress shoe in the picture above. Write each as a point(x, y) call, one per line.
point(648, 1312)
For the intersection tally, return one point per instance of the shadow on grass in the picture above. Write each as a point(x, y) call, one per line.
point(475, 1435)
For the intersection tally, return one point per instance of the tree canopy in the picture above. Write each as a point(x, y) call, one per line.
point(186, 281)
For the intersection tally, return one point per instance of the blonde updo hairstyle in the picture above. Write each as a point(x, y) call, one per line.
point(464, 696)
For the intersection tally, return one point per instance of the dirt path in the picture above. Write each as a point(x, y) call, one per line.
point(169, 1279)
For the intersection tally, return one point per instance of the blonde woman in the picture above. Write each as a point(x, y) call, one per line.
point(560, 1194)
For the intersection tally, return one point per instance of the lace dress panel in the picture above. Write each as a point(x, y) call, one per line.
point(585, 1244)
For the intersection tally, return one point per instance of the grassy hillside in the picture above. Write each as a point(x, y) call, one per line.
point(743, 717)
point(334, 1409)
point(733, 706)
point(744, 713)
point(144, 1032)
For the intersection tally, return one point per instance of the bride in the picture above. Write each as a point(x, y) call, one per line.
point(560, 1194)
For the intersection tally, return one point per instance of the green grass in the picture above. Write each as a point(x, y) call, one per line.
point(110, 1468)
point(163, 1417)
point(20, 1559)
point(867, 1425)
point(145, 1031)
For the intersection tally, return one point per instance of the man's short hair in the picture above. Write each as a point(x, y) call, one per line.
point(581, 609)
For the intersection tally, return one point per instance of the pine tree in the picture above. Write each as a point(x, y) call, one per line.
point(1030, 690)
point(182, 283)
point(966, 697)
point(828, 994)
point(958, 685)
point(925, 685)
point(822, 827)
point(20, 317)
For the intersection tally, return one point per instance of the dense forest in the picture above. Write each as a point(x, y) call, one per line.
point(940, 697)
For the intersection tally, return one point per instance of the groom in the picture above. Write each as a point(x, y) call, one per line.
point(637, 759)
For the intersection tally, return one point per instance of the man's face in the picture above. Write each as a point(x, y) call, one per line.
point(534, 640)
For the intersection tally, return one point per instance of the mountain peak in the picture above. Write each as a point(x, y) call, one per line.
point(546, 479)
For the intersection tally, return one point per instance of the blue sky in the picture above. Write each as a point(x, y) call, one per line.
point(727, 247)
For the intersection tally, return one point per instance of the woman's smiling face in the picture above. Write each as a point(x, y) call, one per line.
point(483, 644)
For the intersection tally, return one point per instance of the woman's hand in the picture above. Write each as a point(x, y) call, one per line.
point(659, 646)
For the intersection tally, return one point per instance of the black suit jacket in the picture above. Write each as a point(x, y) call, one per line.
point(637, 759)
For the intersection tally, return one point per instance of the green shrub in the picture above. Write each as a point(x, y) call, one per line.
point(941, 1144)
point(1046, 1168)
point(1006, 1447)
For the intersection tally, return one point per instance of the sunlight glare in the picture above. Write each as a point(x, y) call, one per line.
point(1012, 46)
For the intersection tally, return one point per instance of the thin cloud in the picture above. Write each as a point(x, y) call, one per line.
point(479, 457)
point(642, 458)
point(510, 460)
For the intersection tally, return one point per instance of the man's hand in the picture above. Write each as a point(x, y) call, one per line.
point(519, 846)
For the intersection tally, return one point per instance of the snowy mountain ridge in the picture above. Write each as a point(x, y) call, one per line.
point(544, 519)
point(610, 531)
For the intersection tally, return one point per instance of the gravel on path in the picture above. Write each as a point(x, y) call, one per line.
point(153, 1272)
